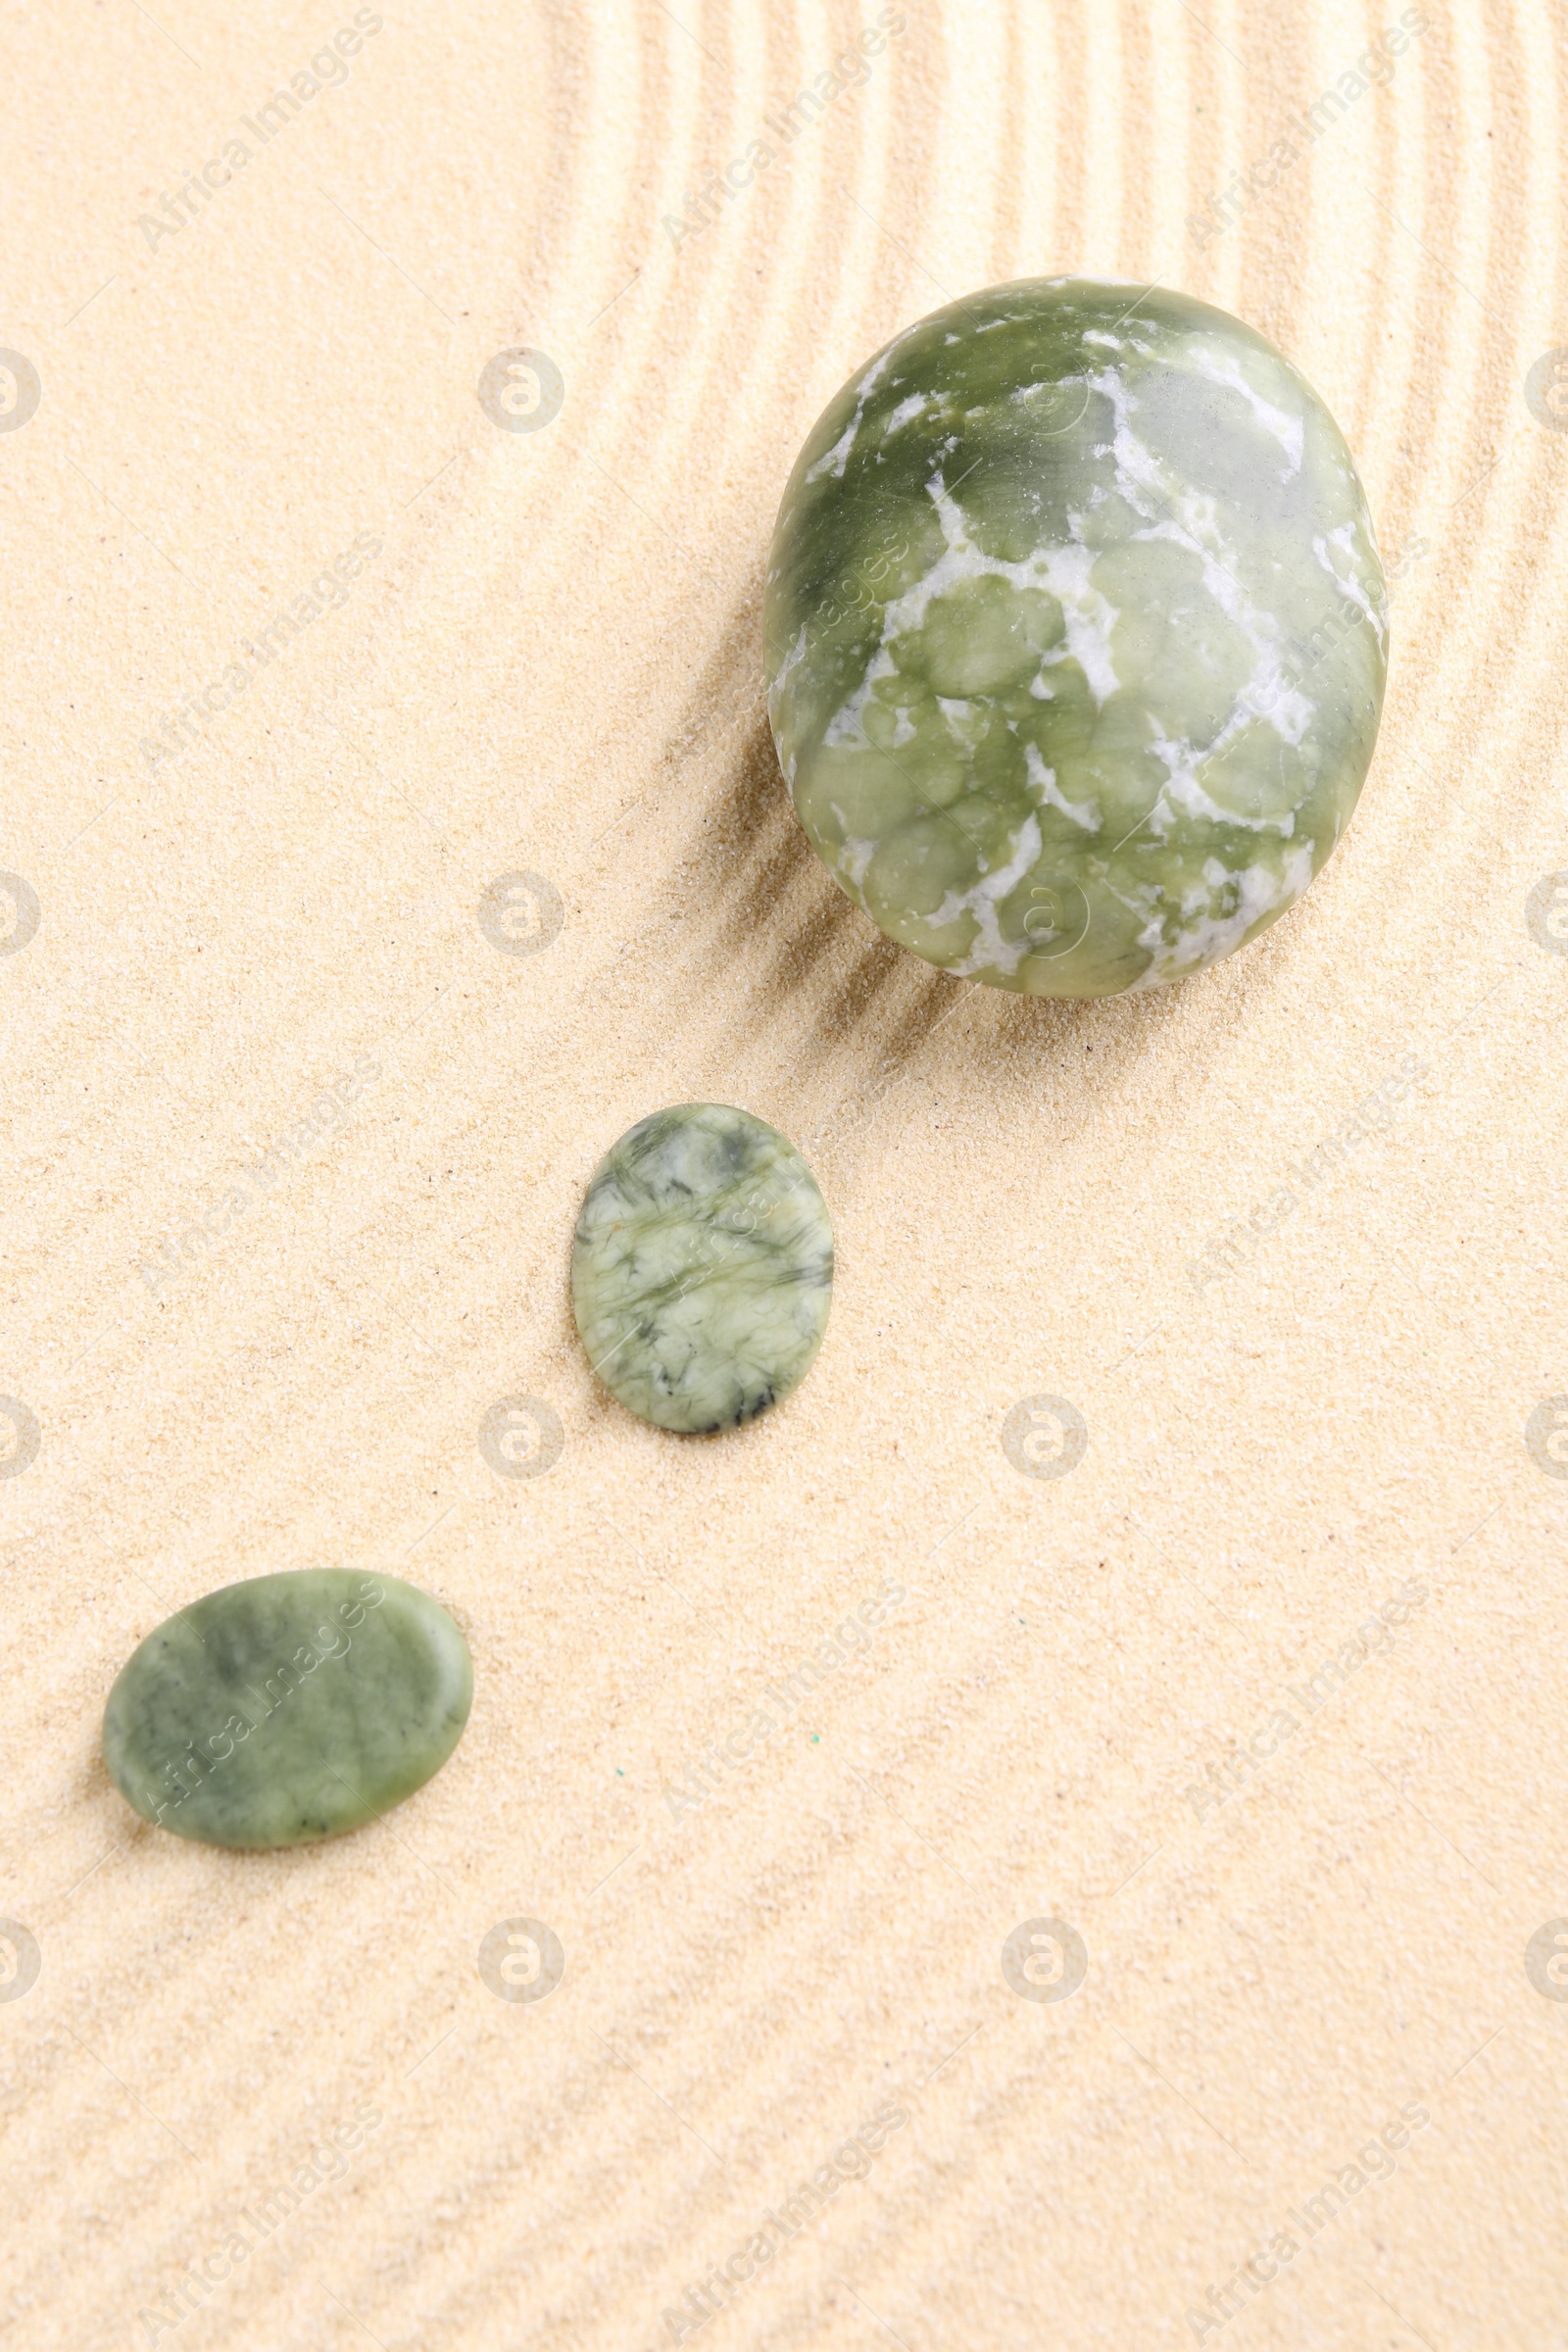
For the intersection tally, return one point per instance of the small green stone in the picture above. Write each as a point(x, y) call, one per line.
point(1076, 632)
point(701, 1269)
point(287, 1709)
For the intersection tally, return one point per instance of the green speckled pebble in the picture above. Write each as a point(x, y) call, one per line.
point(1075, 634)
point(701, 1269)
point(288, 1708)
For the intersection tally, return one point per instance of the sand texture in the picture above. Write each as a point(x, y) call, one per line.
point(777, 1737)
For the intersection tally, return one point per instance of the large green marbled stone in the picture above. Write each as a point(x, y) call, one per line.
point(288, 1708)
point(702, 1267)
point(1075, 635)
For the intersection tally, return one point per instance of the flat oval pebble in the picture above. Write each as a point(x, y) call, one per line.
point(1075, 634)
point(288, 1708)
point(701, 1269)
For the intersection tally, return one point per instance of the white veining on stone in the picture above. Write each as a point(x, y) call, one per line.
point(915, 406)
point(1222, 367)
point(1062, 570)
point(1260, 892)
point(855, 855)
point(846, 729)
point(989, 950)
point(1043, 782)
point(1343, 542)
point(1182, 786)
point(837, 457)
point(1162, 644)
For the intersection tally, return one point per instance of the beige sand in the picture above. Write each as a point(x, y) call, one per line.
point(551, 664)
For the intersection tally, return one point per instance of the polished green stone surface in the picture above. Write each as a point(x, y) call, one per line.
point(1076, 636)
point(701, 1269)
point(288, 1708)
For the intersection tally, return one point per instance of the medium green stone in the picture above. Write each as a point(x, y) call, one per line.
point(288, 1708)
point(701, 1269)
point(1075, 633)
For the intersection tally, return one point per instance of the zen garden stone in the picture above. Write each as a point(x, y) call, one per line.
point(1075, 633)
point(701, 1269)
point(286, 1709)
